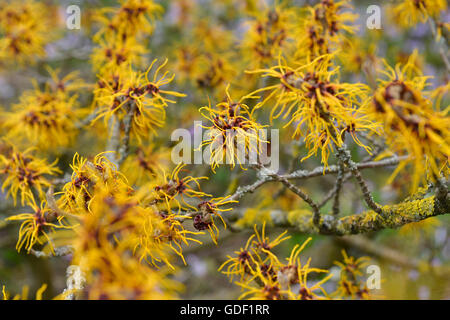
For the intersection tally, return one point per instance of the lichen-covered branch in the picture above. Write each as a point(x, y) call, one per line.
point(393, 216)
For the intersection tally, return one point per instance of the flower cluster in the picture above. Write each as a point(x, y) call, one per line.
point(135, 94)
point(25, 173)
point(234, 134)
point(121, 32)
point(204, 58)
point(321, 107)
point(172, 192)
point(113, 268)
point(38, 226)
point(129, 219)
point(267, 34)
point(98, 205)
point(263, 276)
point(25, 28)
point(327, 24)
point(48, 114)
point(412, 124)
point(351, 283)
point(408, 13)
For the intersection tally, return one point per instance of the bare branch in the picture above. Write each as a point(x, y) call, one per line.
point(320, 171)
point(296, 190)
point(84, 122)
point(338, 187)
point(344, 155)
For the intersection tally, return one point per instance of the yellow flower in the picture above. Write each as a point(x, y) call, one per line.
point(47, 115)
point(115, 53)
point(267, 35)
point(134, 17)
point(88, 178)
point(26, 26)
point(242, 265)
point(407, 13)
point(321, 108)
point(263, 244)
point(24, 294)
point(113, 270)
point(209, 209)
point(294, 272)
point(144, 164)
point(136, 92)
point(173, 235)
point(357, 55)
point(25, 173)
point(232, 124)
point(411, 124)
point(170, 190)
point(204, 58)
point(350, 283)
point(324, 27)
point(119, 245)
point(214, 71)
point(334, 20)
point(254, 260)
point(150, 234)
point(263, 276)
point(270, 290)
point(37, 227)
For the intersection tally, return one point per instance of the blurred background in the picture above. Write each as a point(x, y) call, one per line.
point(206, 43)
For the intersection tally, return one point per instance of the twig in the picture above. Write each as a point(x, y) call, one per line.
point(58, 252)
point(344, 155)
point(320, 171)
point(80, 124)
point(332, 192)
point(265, 172)
point(338, 187)
point(304, 174)
point(242, 191)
